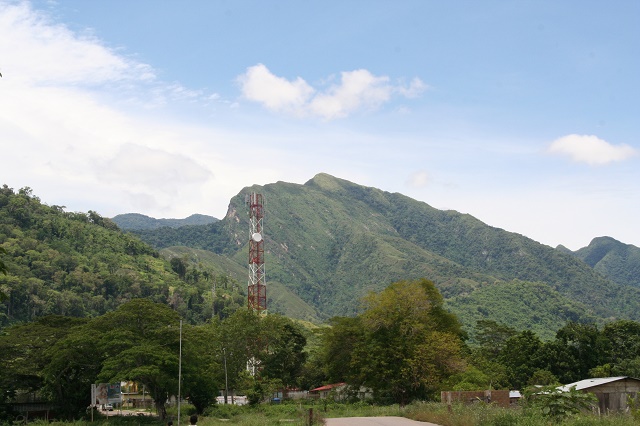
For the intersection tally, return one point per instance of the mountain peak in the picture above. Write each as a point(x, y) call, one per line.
point(326, 182)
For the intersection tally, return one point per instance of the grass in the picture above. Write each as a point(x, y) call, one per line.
point(491, 415)
point(297, 414)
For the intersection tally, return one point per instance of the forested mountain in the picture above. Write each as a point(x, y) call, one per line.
point(130, 221)
point(330, 241)
point(615, 260)
point(81, 264)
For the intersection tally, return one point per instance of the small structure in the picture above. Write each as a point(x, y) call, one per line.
point(613, 393)
point(341, 392)
point(324, 391)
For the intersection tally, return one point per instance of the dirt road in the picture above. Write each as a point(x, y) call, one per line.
point(375, 421)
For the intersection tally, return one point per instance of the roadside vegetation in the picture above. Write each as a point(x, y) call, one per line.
point(297, 414)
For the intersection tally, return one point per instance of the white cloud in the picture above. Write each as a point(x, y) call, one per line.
point(151, 168)
point(415, 88)
point(590, 149)
point(419, 179)
point(276, 93)
point(39, 52)
point(151, 178)
point(67, 141)
point(357, 90)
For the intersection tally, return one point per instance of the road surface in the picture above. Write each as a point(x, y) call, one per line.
point(375, 421)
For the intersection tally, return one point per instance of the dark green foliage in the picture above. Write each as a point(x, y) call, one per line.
point(286, 351)
point(522, 357)
point(26, 351)
point(136, 221)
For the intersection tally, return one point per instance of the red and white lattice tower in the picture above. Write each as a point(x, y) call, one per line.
point(257, 289)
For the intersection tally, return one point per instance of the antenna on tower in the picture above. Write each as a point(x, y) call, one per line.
point(257, 289)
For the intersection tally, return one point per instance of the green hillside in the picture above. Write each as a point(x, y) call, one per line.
point(615, 260)
point(81, 264)
point(331, 241)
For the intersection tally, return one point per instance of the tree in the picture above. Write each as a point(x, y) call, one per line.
point(3, 270)
point(179, 266)
point(3, 267)
point(339, 342)
point(285, 355)
point(405, 342)
point(585, 345)
point(202, 369)
point(25, 353)
point(140, 343)
point(624, 340)
point(73, 367)
point(521, 357)
point(491, 336)
point(240, 344)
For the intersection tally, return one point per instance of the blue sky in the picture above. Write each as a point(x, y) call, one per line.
point(523, 114)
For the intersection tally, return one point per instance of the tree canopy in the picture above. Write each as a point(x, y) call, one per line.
point(401, 346)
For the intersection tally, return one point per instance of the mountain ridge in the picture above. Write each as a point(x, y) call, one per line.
point(330, 241)
point(131, 221)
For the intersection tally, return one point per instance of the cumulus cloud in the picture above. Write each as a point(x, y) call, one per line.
point(590, 149)
point(276, 93)
point(356, 90)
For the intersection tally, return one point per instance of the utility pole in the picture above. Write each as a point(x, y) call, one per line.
point(226, 379)
point(179, 373)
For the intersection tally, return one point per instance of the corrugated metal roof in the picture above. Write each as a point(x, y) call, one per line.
point(590, 383)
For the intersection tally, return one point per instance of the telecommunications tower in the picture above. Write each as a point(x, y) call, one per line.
point(257, 289)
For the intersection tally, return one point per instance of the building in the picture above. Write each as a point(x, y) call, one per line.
point(341, 392)
point(324, 391)
point(613, 393)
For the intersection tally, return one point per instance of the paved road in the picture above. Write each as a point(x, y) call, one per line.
point(375, 421)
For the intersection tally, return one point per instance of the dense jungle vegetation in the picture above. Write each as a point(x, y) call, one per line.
point(82, 265)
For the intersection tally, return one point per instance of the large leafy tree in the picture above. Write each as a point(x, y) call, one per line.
point(25, 353)
point(140, 343)
point(403, 344)
point(340, 341)
point(202, 367)
point(285, 355)
point(74, 365)
point(624, 340)
point(585, 345)
point(522, 358)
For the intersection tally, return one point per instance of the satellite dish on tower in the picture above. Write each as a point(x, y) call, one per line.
point(257, 237)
